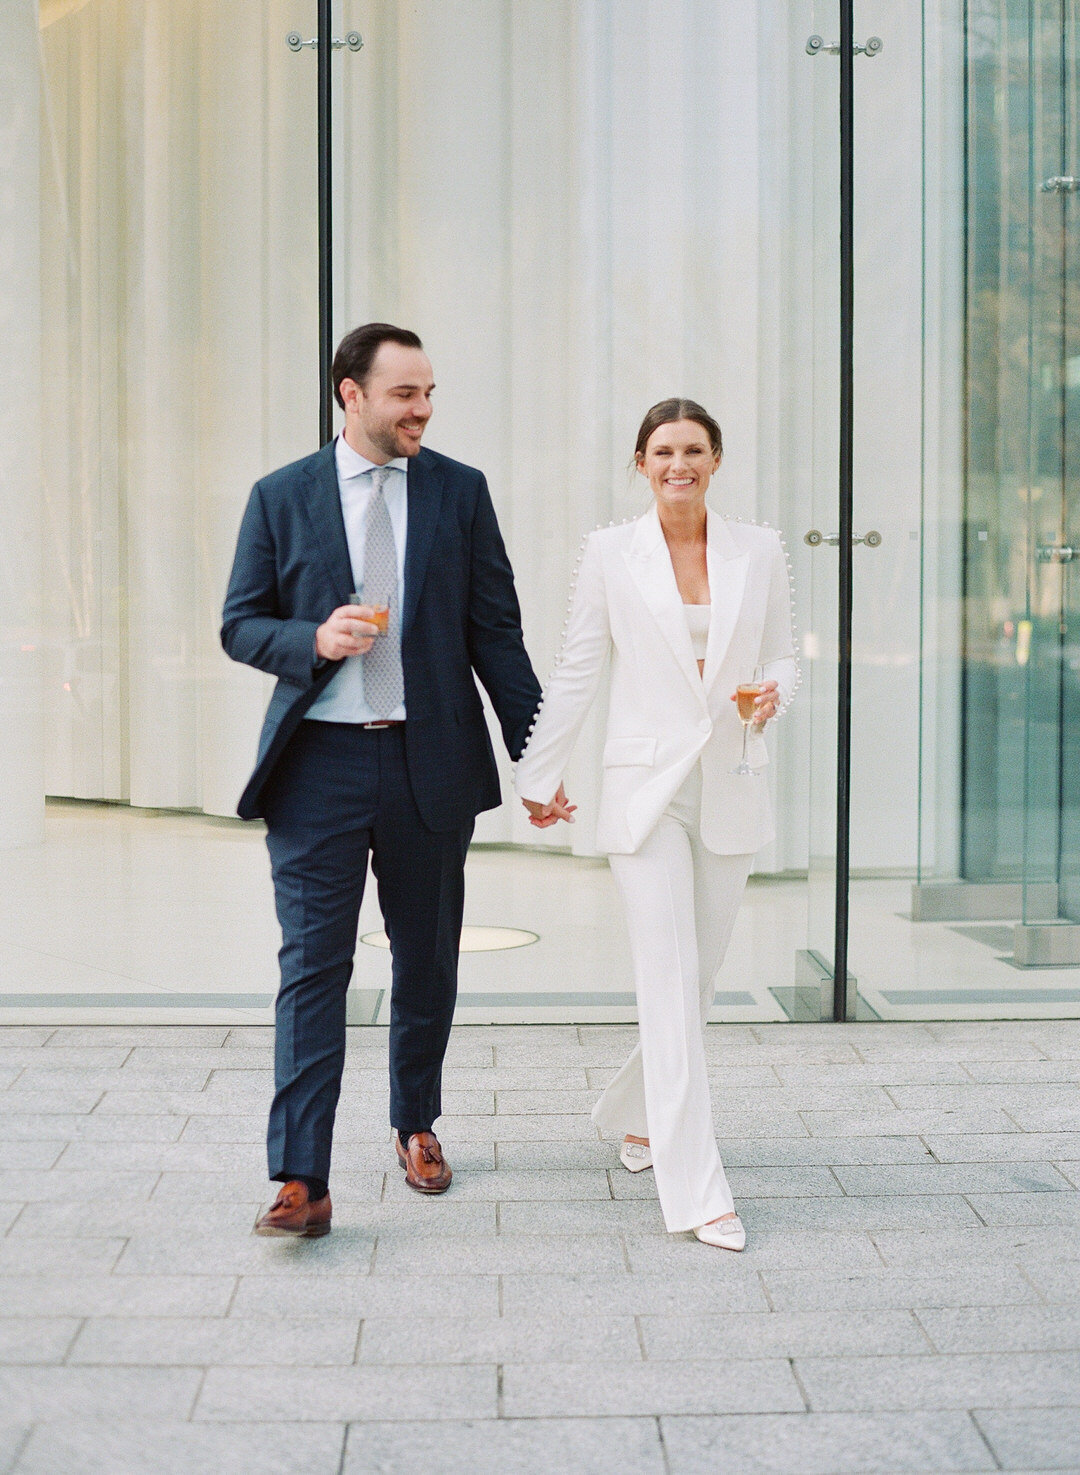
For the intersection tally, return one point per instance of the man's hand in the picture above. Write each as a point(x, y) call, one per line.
point(545, 815)
point(347, 632)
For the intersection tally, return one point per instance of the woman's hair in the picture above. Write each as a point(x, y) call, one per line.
point(669, 410)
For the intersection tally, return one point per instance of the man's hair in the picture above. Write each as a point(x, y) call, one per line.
point(357, 350)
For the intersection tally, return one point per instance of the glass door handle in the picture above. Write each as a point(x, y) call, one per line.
point(815, 539)
point(1060, 184)
point(815, 45)
point(1055, 553)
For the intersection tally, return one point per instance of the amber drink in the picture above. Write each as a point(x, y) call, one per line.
point(745, 697)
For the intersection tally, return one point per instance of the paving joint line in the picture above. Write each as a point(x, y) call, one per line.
point(974, 1417)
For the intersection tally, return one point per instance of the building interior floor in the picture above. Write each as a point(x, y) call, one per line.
point(137, 916)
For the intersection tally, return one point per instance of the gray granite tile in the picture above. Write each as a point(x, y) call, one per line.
point(993, 1071)
point(1000, 1380)
point(763, 1152)
point(908, 1071)
point(251, 1185)
point(10, 1075)
point(44, 1126)
point(35, 1338)
point(33, 1157)
point(1016, 1097)
point(531, 1103)
point(26, 1034)
point(125, 1078)
point(238, 1252)
point(577, 1217)
point(929, 1211)
point(1025, 1438)
point(90, 1057)
point(74, 1393)
point(345, 1294)
point(777, 1099)
point(906, 1123)
point(58, 1185)
point(507, 1446)
point(823, 1444)
point(699, 1337)
point(250, 1341)
point(503, 1255)
point(990, 1147)
point(133, 1446)
point(121, 1218)
point(139, 1034)
point(1056, 1283)
point(1026, 1244)
point(556, 1156)
point(823, 1251)
point(348, 1394)
point(1027, 1208)
point(752, 1123)
point(165, 1157)
point(507, 1186)
point(985, 1329)
point(33, 1256)
point(71, 1102)
point(901, 1178)
point(530, 1339)
point(83, 1293)
point(995, 1284)
point(517, 1129)
point(604, 1294)
point(598, 1390)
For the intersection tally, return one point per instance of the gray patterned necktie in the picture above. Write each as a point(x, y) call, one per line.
point(384, 682)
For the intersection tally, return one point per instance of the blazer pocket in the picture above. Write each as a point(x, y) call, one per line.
point(620, 752)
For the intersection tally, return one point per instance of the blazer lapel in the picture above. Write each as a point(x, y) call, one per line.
point(322, 505)
point(727, 581)
point(649, 563)
point(424, 491)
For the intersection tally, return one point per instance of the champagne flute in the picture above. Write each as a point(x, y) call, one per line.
point(746, 694)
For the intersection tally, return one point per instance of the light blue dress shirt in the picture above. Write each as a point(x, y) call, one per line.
point(342, 699)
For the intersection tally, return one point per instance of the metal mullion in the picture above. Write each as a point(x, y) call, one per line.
point(326, 245)
point(843, 702)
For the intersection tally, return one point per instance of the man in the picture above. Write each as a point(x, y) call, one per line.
point(373, 744)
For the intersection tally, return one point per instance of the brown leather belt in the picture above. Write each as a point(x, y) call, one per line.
point(375, 726)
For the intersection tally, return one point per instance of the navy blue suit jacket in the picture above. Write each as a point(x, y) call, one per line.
point(459, 614)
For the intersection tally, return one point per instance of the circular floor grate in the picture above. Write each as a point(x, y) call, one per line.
point(473, 939)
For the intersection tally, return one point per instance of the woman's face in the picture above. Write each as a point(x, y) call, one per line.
point(679, 462)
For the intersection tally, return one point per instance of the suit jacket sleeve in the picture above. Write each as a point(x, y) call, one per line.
point(496, 647)
point(777, 640)
point(574, 683)
point(253, 629)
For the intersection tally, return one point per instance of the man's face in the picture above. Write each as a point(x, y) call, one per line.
point(394, 405)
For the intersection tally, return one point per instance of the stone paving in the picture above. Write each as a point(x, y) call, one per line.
point(909, 1300)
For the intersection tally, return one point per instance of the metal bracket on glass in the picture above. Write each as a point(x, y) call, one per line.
point(815, 539)
point(353, 40)
point(816, 45)
point(1055, 553)
point(1061, 184)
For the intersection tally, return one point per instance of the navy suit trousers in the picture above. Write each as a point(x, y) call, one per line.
point(338, 794)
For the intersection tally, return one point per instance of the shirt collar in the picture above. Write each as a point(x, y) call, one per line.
point(350, 463)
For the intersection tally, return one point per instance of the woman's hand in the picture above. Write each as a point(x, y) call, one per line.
point(545, 815)
point(767, 702)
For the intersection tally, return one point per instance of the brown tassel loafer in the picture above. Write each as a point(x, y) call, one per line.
point(293, 1215)
point(426, 1169)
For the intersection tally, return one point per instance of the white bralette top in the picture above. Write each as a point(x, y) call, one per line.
point(697, 622)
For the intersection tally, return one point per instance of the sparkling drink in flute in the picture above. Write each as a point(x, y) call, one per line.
point(746, 695)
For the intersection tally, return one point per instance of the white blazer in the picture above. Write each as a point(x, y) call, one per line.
point(662, 715)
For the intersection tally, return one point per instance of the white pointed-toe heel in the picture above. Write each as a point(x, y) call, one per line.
point(725, 1234)
point(635, 1156)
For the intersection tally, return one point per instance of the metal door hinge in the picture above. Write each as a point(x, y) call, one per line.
point(1055, 553)
point(1060, 184)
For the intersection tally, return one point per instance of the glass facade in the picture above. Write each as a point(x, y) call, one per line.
point(571, 255)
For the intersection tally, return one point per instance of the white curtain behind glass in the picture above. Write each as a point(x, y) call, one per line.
point(573, 201)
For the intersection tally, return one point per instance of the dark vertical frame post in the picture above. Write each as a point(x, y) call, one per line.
point(847, 407)
point(326, 243)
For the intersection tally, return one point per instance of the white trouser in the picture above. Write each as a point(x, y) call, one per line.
point(681, 901)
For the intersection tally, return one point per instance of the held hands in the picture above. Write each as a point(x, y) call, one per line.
point(347, 632)
point(544, 815)
point(766, 703)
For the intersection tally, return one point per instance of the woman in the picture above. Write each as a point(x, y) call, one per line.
point(687, 605)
